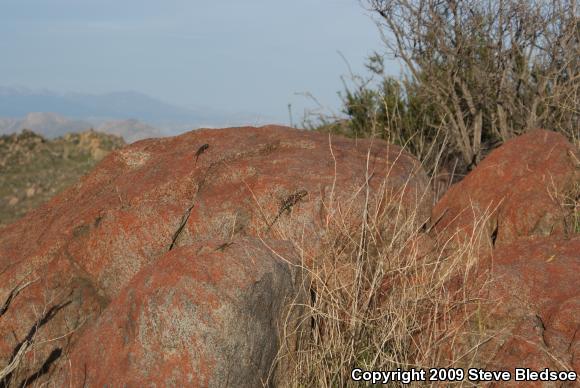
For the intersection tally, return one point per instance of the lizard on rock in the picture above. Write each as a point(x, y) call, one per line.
point(200, 151)
point(288, 203)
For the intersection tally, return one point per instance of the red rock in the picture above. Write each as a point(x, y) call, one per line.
point(519, 186)
point(531, 311)
point(196, 317)
point(91, 240)
point(55, 302)
point(538, 290)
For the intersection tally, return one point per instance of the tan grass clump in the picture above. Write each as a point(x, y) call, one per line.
point(386, 295)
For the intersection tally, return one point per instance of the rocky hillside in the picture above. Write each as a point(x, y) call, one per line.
point(210, 259)
point(34, 169)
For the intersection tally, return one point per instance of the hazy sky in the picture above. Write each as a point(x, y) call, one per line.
point(248, 56)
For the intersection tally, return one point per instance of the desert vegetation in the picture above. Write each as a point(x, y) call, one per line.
point(386, 296)
point(474, 74)
point(34, 169)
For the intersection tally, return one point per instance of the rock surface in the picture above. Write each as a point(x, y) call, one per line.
point(198, 316)
point(84, 247)
point(518, 190)
point(524, 197)
point(538, 304)
point(530, 311)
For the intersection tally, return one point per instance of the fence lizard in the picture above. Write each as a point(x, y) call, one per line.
point(288, 203)
point(200, 151)
point(223, 246)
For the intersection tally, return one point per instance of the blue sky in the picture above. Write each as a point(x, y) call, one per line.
point(237, 56)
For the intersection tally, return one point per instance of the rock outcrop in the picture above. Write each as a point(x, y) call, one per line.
point(175, 261)
point(524, 199)
point(78, 270)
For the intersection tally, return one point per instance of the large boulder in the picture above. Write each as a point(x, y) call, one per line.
point(516, 215)
point(76, 254)
point(520, 189)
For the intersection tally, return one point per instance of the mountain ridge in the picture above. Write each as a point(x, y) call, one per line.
point(17, 102)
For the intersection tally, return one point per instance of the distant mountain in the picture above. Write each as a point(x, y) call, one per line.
point(52, 125)
point(17, 102)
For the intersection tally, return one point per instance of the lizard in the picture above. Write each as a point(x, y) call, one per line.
point(288, 203)
point(200, 151)
point(184, 220)
point(223, 246)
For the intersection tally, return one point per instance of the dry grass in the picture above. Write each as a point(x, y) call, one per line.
point(568, 199)
point(571, 202)
point(385, 295)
